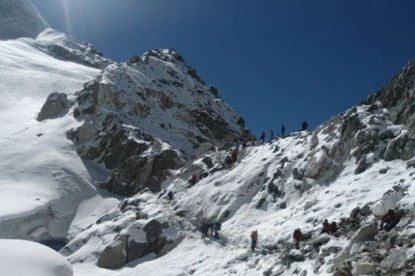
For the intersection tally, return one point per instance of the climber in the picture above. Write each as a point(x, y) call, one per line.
point(326, 227)
point(216, 228)
point(193, 180)
point(304, 125)
point(262, 138)
point(170, 195)
point(333, 227)
point(390, 219)
point(297, 236)
point(204, 229)
point(234, 155)
point(282, 131)
point(254, 239)
point(271, 137)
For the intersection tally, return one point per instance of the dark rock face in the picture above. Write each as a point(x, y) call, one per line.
point(125, 248)
point(123, 110)
point(138, 172)
point(114, 255)
point(137, 250)
point(121, 149)
point(56, 105)
point(85, 55)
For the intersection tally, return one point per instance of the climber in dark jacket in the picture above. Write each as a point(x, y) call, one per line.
point(326, 227)
point(170, 195)
point(204, 229)
point(216, 228)
point(254, 239)
point(297, 236)
point(390, 219)
point(262, 138)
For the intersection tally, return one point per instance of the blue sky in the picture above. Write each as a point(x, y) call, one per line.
point(275, 62)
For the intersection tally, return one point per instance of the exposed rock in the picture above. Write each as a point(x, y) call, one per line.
point(153, 231)
point(320, 240)
point(397, 259)
point(365, 233)
point(364, 268)
point(56, 105)
point(137, 250)
point(139, 172)
point(388, 201)
point(114, 255)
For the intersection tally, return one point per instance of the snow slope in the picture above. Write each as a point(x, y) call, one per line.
point(362, 158)
point(42, 177)
point(233, 195)
point(18, 257)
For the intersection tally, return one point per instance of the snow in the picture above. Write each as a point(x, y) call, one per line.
point(47, 191)
point(18, 257)
point(39, 167)
point(236, 191)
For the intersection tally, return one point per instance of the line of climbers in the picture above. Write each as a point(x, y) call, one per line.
point(389, 220)
point(304, 126)
point(212, 227)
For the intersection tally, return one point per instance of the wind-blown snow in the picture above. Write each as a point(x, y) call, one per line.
point(20, 18)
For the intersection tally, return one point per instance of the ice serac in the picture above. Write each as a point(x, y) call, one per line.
point(19, 18)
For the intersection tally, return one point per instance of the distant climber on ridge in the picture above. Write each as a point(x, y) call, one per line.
point(262, 137)
point(282, 131)
point(304, 125)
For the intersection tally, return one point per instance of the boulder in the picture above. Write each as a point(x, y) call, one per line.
point(397, 259)
point(137, 250)
point(114, 255)
point(56, 105)
point(153, 231)
point(364, 268)
point(366, 233)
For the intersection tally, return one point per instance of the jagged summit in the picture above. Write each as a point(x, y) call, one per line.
point(20, 18)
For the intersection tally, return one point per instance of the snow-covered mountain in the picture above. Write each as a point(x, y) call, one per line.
point(91, 147)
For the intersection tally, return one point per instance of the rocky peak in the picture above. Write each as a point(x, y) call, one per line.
point(19, 18)
point(398, 96)
point(146, 117)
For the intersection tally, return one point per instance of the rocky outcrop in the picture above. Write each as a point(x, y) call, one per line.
point(56, 105)
point(127, 248)
point(141, 125)
point(139, 172)
point(138, 160)
point(114, 255)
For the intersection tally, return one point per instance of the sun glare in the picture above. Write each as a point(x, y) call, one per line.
point(67, 14)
